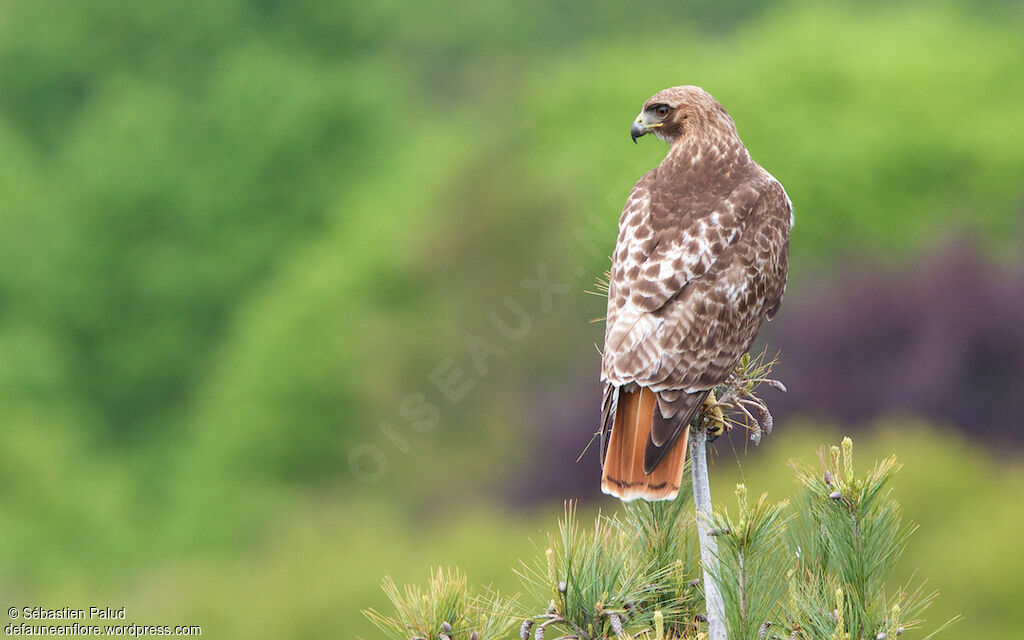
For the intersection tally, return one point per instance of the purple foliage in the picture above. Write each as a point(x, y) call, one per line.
point(559, 429)
point(944, 341)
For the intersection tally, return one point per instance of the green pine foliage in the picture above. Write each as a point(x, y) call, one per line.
point(447, 610)
point(820, 571)
point(752, 564)
point(847, 541)
point(191, 327)
point(596, 584)
point(661, 537)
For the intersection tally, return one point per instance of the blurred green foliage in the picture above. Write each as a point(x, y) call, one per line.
point(322, 559)
point(235, 234)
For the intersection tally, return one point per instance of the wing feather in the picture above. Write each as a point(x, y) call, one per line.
point(684, 299)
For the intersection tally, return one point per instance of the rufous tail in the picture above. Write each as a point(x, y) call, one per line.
point(623, 473)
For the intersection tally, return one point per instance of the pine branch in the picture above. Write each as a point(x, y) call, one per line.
point(448, 609)
point(592, 581)
point(819, 574)
point(752, 563)
point(661, 536)
point(848, 540)
point(739, 394)
point(708, 546)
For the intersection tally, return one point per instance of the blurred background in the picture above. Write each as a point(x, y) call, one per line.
point(293, 294)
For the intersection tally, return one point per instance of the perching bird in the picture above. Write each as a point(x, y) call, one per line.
point(700, 262)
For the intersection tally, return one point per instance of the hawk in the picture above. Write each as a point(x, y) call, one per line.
point(700, 261)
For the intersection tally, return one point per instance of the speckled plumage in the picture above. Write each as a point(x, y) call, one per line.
point(701, 260)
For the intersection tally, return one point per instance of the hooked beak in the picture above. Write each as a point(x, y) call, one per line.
point(638, 129)
point(642, 125)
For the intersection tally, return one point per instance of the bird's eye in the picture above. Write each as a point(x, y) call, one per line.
point(661, 110)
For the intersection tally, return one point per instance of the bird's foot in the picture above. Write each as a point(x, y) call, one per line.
point(714, 415)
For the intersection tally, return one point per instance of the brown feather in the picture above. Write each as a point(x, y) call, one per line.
point(700, 261)
point(666, 431)
point(624, 475)
point(608, 404)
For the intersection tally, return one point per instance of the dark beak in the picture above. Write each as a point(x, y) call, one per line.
point(637, 130)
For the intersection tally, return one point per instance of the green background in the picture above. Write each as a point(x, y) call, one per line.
point(239, 238)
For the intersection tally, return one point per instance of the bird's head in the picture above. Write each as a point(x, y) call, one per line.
point(680, 113)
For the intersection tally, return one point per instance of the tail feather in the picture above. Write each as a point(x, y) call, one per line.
point(665, 431)
point(623, 473)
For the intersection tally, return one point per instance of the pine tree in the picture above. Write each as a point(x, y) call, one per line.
point(678, 569)
point(818, 570)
